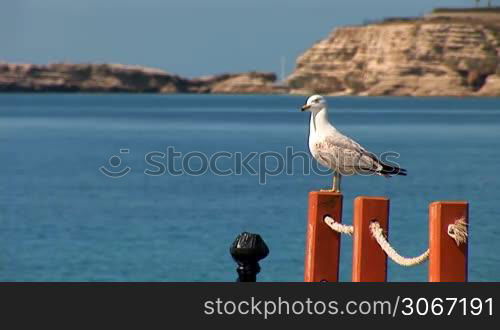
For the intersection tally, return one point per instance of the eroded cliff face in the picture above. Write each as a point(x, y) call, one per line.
point(250, 83)
point(238, 83)
point(64, 77)
point(442, 54)
point(424, 57)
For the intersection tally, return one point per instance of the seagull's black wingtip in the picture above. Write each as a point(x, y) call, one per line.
point(390, 170)
point(402, 172)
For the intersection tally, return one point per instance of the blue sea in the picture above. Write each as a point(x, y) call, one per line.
point(62, 219)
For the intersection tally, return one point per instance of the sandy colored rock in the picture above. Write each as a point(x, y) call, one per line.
point(446, 53)
point(491, 87)
point(64, 77)
point(248, 83)
point(238, 83)
point(418, 57)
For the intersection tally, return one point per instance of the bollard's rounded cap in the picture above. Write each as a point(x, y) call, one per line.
point(248, 248)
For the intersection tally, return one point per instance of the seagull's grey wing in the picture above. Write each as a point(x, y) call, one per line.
point(345, 155)
point(348, 157)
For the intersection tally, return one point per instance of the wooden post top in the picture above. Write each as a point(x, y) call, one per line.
point(326, 193)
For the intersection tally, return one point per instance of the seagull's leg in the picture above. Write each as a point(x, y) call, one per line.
point(335, 183)
point(338, 182)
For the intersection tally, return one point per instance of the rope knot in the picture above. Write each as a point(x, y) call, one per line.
point(376, 229)
point(458, 231)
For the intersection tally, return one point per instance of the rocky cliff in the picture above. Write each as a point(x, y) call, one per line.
point(446, 53)
point(64, 77)
point(430, 56)
point(238, 83)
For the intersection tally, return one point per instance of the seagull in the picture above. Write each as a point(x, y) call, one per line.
point(338, 152)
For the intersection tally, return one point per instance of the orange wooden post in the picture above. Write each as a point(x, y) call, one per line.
point(322, 243)
point(369, 262)
point(447, 261)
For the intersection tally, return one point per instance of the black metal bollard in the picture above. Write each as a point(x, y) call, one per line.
point(247, 250)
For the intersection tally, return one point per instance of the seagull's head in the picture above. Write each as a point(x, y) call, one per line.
point(314, 103)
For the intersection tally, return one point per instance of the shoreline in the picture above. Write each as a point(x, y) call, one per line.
point(437, 55)
point(131, 94)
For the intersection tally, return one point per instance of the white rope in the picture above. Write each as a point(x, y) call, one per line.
point(457, 231)
point(338, 227)
point(378, 234)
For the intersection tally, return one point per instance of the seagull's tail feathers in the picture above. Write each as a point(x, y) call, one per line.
point(388, 170)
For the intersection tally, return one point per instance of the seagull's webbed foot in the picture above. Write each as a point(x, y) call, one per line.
point(330, 190)
point(335, 184)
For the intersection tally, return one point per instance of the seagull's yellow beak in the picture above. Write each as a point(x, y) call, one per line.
point(305, 107)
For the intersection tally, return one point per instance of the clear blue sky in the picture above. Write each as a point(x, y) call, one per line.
point(189, 37)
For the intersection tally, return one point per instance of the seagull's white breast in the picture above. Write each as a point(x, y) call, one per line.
point(317, 140)
point(334, 150)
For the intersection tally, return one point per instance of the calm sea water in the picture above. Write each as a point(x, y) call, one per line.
point(61, 219)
